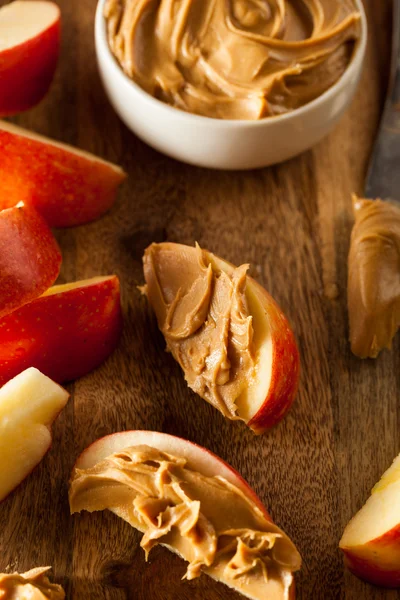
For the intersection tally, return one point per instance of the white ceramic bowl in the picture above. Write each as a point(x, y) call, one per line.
point(224, 144)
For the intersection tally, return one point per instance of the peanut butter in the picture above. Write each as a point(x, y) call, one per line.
point(32, 585)
point(208, 521)
point(233, 59)
point(203, 315)
point(374, 277)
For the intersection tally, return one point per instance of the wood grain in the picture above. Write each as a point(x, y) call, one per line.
point(292, 222)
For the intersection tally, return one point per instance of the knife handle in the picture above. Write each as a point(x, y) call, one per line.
point(394, 85)
point(383, 179)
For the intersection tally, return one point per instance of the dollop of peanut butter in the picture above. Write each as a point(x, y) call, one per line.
point(32, 585)
point(233, 59)
point(208, 521)
point(203, 314)
point(374, 277)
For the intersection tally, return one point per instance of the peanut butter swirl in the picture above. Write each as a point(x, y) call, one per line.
point(203, 314)
point(374, 277)
point(233, 59)
point(208, 521)
point(32, 585)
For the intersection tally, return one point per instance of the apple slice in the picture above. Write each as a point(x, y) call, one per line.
point(29, 403)
point(30, 258)
point(273, 381)
point(29, 49)
point(67, 186)
point(371, 541)
point(278, 586)
point(66, 333)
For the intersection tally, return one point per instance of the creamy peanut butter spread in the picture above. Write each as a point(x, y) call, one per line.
point(204, 317)
point(32, 585)
point(374, 277)
point(206, 520)
point(233, 59)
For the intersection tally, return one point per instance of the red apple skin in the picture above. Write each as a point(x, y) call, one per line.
point(65, 334)
point(30, 258)
point(285, 367)
point(378, 561)
point(285, 358)
point(34, 467)
point(27, 70)
point(66, 188)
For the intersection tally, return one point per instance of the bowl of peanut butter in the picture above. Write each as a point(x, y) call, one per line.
point(230, 84)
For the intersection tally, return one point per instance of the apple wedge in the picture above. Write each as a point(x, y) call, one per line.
point(125, 472)
point(29, 49)
point(30, 258)
point(371, 541)
point(29, 404)
point(67, 186)
point(195, 311)
point(66, 333)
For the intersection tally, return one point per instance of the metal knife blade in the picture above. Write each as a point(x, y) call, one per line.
point(383, 180)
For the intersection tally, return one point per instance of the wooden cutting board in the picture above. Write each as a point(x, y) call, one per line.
point(292, 223)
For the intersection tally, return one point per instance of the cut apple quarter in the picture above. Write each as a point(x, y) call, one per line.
point(67, 186)
point(183, 497)
point(29, 49)
point(231, 339)
point(29, 403)
point(371, 541)
point(66, 333)
point(30, 258)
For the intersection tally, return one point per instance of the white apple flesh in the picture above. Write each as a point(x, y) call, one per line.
point(29, 403)
point(371, 540)
point(29, 48)
point(21, 21)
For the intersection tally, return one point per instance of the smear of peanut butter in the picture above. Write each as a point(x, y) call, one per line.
point(207, 520)
point(374, 277)
point(203, 315)
point(32, 585)
point(233, 59)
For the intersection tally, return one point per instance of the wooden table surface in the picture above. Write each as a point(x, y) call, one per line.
point(292, 223)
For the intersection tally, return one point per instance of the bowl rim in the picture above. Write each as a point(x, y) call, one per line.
point(351, 71)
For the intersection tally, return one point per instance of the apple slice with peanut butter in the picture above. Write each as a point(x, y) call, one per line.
point(231, 339)
point(184, 497)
